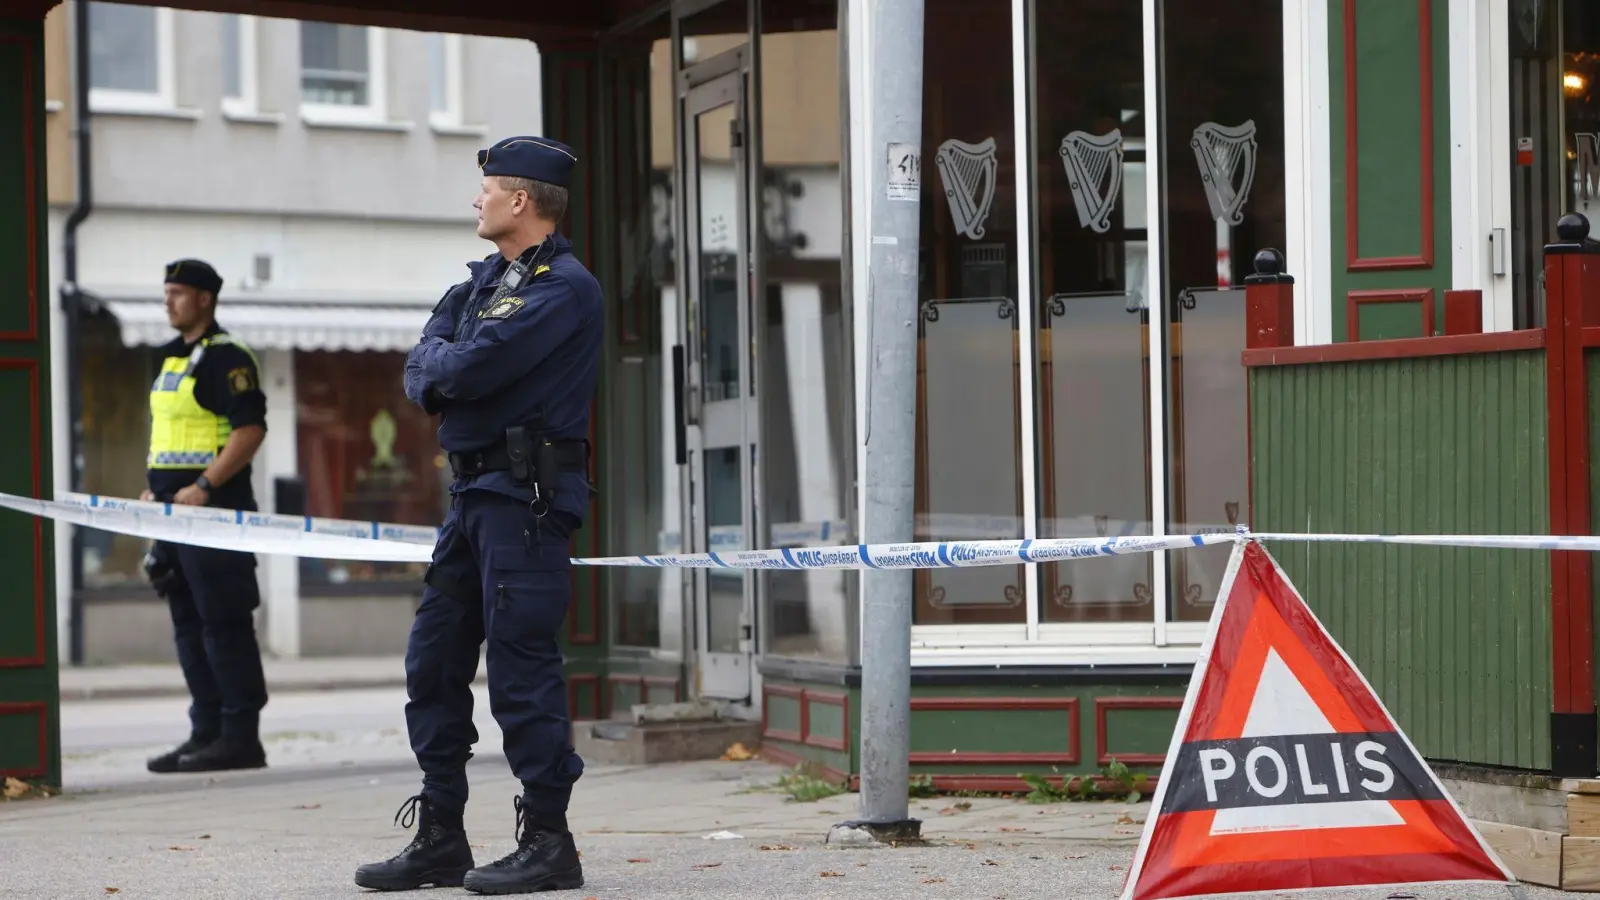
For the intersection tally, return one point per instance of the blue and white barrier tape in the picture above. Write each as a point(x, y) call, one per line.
point(320, 538)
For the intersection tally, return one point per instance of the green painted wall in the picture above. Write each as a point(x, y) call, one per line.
point(1455, 641)
point(29, 708)
point(958, 730)
point(1399, 105)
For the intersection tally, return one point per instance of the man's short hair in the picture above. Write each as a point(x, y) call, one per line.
point(549, 200)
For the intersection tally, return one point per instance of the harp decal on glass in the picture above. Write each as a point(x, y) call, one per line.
point(1094, 172)
point(968, 174)
point(1226, 156)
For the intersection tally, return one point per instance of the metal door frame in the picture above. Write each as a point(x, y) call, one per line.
point(696, 98)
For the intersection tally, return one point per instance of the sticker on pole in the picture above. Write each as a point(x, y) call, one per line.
point(905, 172)
point(1285, 771)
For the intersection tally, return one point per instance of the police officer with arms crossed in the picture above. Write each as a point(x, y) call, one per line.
point(510, 358)
point(207, 419)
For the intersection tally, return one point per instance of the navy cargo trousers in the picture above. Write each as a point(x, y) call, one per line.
point(494, 578)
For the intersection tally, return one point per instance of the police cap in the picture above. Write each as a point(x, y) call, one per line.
point(194, 273)
point(524, 156)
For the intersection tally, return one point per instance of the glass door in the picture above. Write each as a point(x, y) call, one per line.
point(720, 418)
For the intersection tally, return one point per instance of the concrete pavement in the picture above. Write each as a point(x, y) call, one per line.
point(341, 768)
point(283, 676)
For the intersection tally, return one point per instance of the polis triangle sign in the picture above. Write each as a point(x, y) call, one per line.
point(1285, 771)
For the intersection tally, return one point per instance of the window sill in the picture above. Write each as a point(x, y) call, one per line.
point(142, 112)
point(247, 117)
point(445, 129)
point(351, 121)
point(1039, 654)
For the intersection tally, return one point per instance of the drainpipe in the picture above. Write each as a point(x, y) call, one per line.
point(72, 306)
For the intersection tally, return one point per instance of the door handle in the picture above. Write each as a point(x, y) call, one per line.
point(680, 439)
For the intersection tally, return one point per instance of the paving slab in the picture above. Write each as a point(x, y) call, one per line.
point(292, 833)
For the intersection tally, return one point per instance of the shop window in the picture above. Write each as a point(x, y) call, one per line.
point(969, 462)
point(115, 381)
point(641, 488)
point(1092, 305)
point(804, 380)
point(1223, 199)
point(1580, 92)
point(365, 453)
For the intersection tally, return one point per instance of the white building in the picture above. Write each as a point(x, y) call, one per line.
point(327, 172)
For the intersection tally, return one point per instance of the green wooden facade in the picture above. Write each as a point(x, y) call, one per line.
point(29, 707)
point(1389, 109)
point(1455, 641)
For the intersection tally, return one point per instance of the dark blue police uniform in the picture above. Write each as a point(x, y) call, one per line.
point(206, 388)
point(510, 360)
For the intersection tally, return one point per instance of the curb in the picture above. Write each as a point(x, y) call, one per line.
point(283, 686)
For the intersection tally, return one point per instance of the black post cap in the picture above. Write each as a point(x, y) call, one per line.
point(1269, 269)
point(1572, 232)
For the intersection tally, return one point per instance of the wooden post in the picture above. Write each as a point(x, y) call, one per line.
point(1572, 300)
point(1463, 312)
point(1269, 322)
point(1269, 303)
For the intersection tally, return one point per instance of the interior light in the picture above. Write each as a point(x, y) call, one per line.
point(1574, 83)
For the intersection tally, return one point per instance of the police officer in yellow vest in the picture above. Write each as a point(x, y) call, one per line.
point(207, 419)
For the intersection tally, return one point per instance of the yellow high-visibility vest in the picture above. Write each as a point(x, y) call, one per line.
point(184, 434)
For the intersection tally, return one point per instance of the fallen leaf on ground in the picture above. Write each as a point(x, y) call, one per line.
point(309, 806)
point(861, 865)
point(776, 847)
point(15, 787)
point(972, 846)
point(737, 753)
point(1116, 868)
point(933, 881)
point(707, 865)
point(964, 804)
point(990, 862)
point(1004, 828)
point(1125, 819)
point(205, 837)
point(179, 847)
point(638, 860)
point(113, 890)
point(832, 875)
point(1076, 856)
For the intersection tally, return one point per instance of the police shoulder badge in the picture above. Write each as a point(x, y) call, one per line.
point(503, 308)
point(241, 379)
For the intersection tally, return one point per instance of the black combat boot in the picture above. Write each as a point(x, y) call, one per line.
point(439, 855)
point(545, 860)
point(167, 762)
point(226, 753)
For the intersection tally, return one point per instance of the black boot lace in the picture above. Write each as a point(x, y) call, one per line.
point(405, 817)
point(526, 843)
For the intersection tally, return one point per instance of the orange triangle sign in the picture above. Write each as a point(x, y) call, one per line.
point(1286, 772)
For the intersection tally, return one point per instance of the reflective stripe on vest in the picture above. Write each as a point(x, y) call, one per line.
point(184, 434)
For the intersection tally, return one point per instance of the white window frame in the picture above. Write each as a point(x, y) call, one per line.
point(248, 104)
point(376, 110)
point(164, 99)
point(453, 116)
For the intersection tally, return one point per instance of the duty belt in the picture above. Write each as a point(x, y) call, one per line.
point(569, 455)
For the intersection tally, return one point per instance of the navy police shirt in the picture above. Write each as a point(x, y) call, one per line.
point(220, 387)
point(490, 366)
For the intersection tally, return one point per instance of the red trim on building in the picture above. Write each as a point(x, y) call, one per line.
point(1403, 348)
point(1103, 705)
point(42, 711)
point(1355, 299)
point(1072, 756)
point(35, 435)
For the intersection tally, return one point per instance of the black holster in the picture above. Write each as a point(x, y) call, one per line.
point(160, 570)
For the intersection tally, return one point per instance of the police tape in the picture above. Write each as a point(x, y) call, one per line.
point(346, 539)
